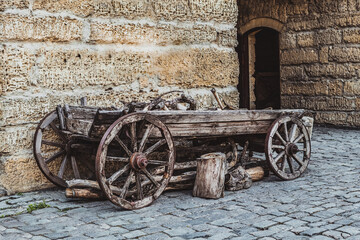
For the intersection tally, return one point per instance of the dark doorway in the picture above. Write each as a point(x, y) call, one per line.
point(259, 83)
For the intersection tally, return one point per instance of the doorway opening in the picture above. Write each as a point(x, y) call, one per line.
point(259, 82)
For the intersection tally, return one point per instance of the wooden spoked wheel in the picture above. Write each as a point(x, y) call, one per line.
point(135, 160)
point(288, 147)
point(52, 151)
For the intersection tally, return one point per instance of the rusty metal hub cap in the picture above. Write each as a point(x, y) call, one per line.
point(292, 149)
point(138, 161)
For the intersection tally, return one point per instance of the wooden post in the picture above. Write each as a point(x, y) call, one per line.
point(210, 176)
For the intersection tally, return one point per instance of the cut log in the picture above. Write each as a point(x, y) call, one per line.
point(83, 193)
point(210, 176)
point(238, 179)
point(256, 173)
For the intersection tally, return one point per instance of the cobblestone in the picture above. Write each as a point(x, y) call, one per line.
point(323, 204)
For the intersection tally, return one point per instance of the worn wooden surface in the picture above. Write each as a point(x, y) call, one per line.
point(210, 176)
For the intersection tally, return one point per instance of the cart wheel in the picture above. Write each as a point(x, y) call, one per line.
point(287, 147)
point(135, 160)
point(52, 151)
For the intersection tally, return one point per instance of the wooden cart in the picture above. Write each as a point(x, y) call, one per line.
point(133, 156)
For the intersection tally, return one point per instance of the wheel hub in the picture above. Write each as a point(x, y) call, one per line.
point(138, 161)
point(292, 149)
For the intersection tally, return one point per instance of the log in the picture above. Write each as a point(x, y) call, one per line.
point(210, 176)
point(238, 179)
point(83, 193)
point(256, 173)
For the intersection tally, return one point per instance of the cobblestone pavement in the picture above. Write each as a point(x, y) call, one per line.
point(323, 204)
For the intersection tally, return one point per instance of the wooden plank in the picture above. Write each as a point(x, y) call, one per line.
point(82, 112)
point(80, 126)
point(217, 129)
point(179, 117)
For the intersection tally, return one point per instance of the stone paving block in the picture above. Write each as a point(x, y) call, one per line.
point(39, 238)
point(179, 231)
point(336, 234)
point(57, 235)
point(157, 236)
point(350, 230)
point(314, 231)
point(264, 224)
point(134, 234)
point(296, 223)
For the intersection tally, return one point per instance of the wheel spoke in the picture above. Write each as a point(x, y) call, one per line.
point(117, 174)
point(75, 167)
point(283, 164)
point(138, 187)
point(117, 159)
point(57, 131)
point(155, 146)
point(292, 132)
point(290, 165)
point(301, 163)
point(157, 162)
point(62, 167)
point(54, 144)
point(278, 147)
point(145, 137)
point(299, 138)
point(122, 144)
point(53, 157)
point(286, 132)
point(126, 184)
point(280, 138)
point(150, 177)
point(133, 137)
point(279, 156)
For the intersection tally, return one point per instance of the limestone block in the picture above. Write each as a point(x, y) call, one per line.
point(160, 34)
point(288, 73)
point(304, 88)
point(20, 4)
point(344, 54)
point(324, 54)
point(71, 69)
point(130, 9)
point(249, 10)
point(21, 174)
point(328, 37)
point(335, 88)
point(306, 39)
point(352, 88)
point(170, 10)
point(287, 41)
point(351, 35)
point(354, 119)
point(21, 28)
point(297, 8)
point(325, 6)
point(298, 56)
point(17, 65)
point(303, 24)
point(16, 140)
point(78, 7)
point(197, 68)
point(332, 70)
point(225, 11)
point(335, 118)
point(228, 38)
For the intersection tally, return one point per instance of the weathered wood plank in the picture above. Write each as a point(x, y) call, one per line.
point(180, 117)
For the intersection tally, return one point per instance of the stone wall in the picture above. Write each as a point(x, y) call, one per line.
point(57, 51)
point(320, 54)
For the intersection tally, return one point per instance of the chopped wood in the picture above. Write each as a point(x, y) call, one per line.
point(256, 173)
point(83, 193)
point(210, 177)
